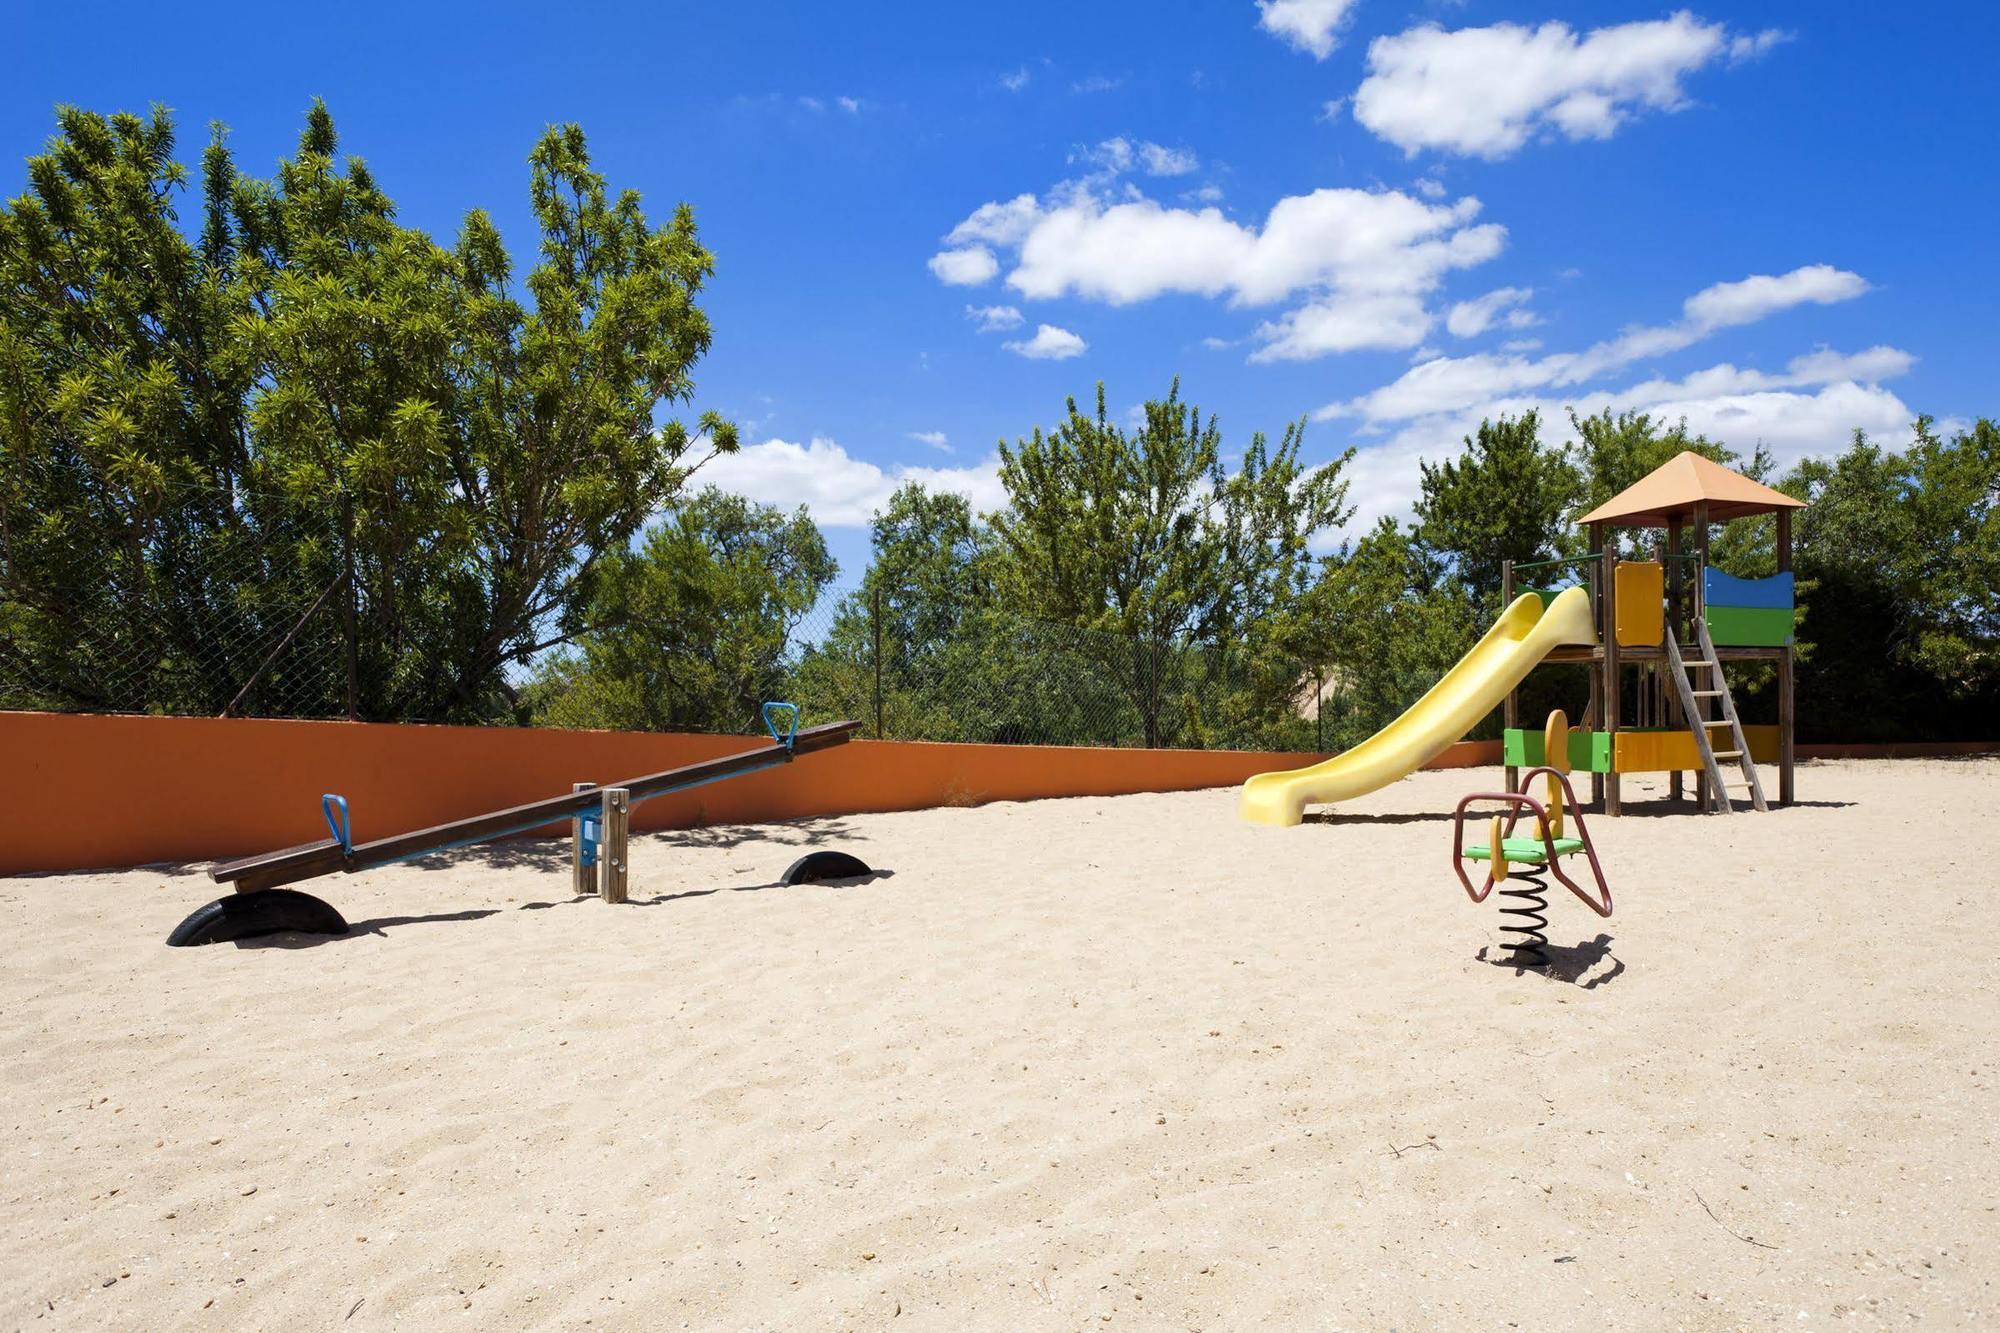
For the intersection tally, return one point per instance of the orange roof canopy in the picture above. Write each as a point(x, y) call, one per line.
point(1669, 493)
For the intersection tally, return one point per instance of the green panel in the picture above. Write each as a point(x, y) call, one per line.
point(1524, 849)
point(1749, 627)
point(1589, 751)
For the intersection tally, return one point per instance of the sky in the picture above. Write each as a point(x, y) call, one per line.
point(933, 223)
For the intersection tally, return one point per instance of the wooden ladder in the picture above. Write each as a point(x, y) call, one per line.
point(1695, 708)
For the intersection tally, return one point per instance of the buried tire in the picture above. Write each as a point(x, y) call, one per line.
point(243, 916)
point(819, 867)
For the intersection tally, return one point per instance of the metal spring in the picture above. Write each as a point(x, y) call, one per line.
point(1529, 888)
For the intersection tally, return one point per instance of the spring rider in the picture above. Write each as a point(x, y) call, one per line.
point(1519, 866)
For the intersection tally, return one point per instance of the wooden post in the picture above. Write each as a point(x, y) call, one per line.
point(1705, 799)
point(1510, 710)
point(1609, 582)
point(1672, 707)
point(617, 816)
point(1786, 716)
point(582, 878)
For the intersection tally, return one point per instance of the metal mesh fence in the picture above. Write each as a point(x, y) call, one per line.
point(182, 603)
point(210, 601)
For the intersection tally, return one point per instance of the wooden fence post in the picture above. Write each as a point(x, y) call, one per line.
point(582, 874)
point(617, 813)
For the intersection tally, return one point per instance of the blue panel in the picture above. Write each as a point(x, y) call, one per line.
point(1772, 594)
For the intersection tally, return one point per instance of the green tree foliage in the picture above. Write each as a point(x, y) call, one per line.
point(183, 417)
point(694, 629)
point(1902, 555)
point(1145, 538)
point(1506, 497)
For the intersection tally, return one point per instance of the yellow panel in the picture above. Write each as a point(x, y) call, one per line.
point(1663, 751)
point(1641, 602)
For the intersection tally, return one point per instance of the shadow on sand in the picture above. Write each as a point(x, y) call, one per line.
point(382, 925)
point(1572, 964)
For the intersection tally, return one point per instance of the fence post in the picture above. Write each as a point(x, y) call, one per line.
point(1319, 708)
point(875, 626)
point(347, 566)
point(617, 812)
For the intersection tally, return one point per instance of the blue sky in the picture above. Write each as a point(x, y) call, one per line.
point(1393, 217)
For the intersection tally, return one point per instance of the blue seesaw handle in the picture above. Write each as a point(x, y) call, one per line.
point(334, 810)
point(791, 722)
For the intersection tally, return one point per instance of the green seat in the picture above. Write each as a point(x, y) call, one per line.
point(1524, 849)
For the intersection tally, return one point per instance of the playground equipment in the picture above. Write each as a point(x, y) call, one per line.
point(1529, 630)
point(1519, 867)
point(599, 821)
point(1658, 631)
point(1666, 628)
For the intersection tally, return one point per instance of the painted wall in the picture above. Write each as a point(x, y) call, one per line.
point(94, 792)
point(98, 792)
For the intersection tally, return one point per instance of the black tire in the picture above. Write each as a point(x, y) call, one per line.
point(243, 916)
point(819, 867)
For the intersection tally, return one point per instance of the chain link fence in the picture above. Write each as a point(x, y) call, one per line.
point(212, 602)
point(190, 602)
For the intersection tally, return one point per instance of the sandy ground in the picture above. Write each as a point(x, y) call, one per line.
point(1072, 1063)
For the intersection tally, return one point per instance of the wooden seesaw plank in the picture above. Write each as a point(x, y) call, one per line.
point(310, 860)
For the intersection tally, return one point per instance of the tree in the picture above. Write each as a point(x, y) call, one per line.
point(1148, 540)
point(190, 415)
point(1504, 498)
point(693, 630)
point(1380, 625)
point(1901, 552)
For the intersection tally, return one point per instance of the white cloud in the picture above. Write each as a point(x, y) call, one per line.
point(1521, 345)
point(936, 439)
point(1049, 344)
point(1159, 161)
point(1750, 46)
point(1344, 323)
point(812, 104)
point(1114, 157)
point(839, 490)
point(1814, 416)
point(1450, 383)
point(1003, 223)
point(851, 105)
point(1469, 319)
point(1487, 91)
point(1730, 303)
point(1365, 259)
point(1430, 188)
point(994, 318)
point(965, 267)
point(1329, 110)
point(1307, 25)
point(1096, 83)
point(1017, 80)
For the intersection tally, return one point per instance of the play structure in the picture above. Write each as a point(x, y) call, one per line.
point(1519, 866)
point(1652, 633)
point(599, 818)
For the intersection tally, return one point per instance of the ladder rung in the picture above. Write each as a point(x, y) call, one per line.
point(1708, 694)
point(1717, 722)
point(1728, 754)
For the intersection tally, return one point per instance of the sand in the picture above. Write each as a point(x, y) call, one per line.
point(1073, 1063)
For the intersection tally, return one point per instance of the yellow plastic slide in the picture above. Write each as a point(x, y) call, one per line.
point(1522, 636)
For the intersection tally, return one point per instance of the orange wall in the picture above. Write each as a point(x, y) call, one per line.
point(89, 792)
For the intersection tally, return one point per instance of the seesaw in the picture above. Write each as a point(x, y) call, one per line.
point(599, 823)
